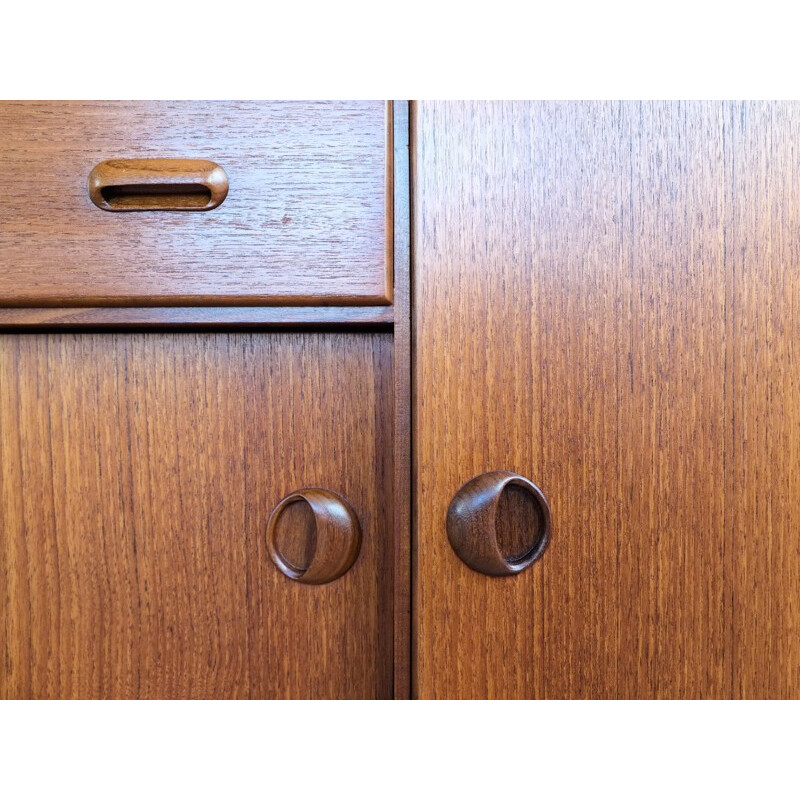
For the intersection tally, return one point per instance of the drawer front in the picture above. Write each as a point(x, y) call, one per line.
point(138, 473)
point(304, 221)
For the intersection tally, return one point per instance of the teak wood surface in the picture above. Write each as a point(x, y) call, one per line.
point(307, 218)
point(606, 302)
point(137, 475)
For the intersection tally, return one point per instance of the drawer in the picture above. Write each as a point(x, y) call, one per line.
point(304, 221)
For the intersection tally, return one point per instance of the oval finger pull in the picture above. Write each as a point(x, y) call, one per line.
point(158, 184)
point(313, 536)
point(499, 523)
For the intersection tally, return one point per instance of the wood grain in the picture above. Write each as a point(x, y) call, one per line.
point(137, 474)
point(606, 303)
point(763, 391)
point(305, 220)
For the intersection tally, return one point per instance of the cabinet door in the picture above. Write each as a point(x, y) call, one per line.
point(606, 303)
point(137, 477)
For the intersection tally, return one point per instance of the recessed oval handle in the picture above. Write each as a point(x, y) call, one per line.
point(313, 536)
point(157, 184)
point(498, 510)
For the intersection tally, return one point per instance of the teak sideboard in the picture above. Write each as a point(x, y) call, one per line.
point(374, 400)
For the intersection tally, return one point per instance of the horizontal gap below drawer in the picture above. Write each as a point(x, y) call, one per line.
point(196, 317)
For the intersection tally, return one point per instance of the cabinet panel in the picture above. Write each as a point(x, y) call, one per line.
point(603, 297)
point(137, 475)
point(304, 221)
point(763, 391)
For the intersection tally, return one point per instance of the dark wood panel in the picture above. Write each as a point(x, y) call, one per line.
point(605, 303)
point(137, 474)
point(307, 218)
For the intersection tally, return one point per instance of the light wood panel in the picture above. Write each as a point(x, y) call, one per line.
point(605, 300)
point(137, 474)
point(305, 220)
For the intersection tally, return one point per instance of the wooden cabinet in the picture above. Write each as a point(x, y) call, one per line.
point(228, 468)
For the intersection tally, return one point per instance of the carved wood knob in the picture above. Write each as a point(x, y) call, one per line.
point(313, 536)
point(499, 523)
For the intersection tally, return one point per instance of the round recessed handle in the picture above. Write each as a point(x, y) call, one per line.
point(499, 523)
point(313, 536)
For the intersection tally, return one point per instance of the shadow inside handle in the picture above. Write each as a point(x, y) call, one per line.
point(296, 534)
point(519, 523)
point(154, 196)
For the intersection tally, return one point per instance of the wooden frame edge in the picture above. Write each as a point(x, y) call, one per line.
point(402, 402)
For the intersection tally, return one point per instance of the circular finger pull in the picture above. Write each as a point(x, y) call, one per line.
point(499, 523)
point(313, 536)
